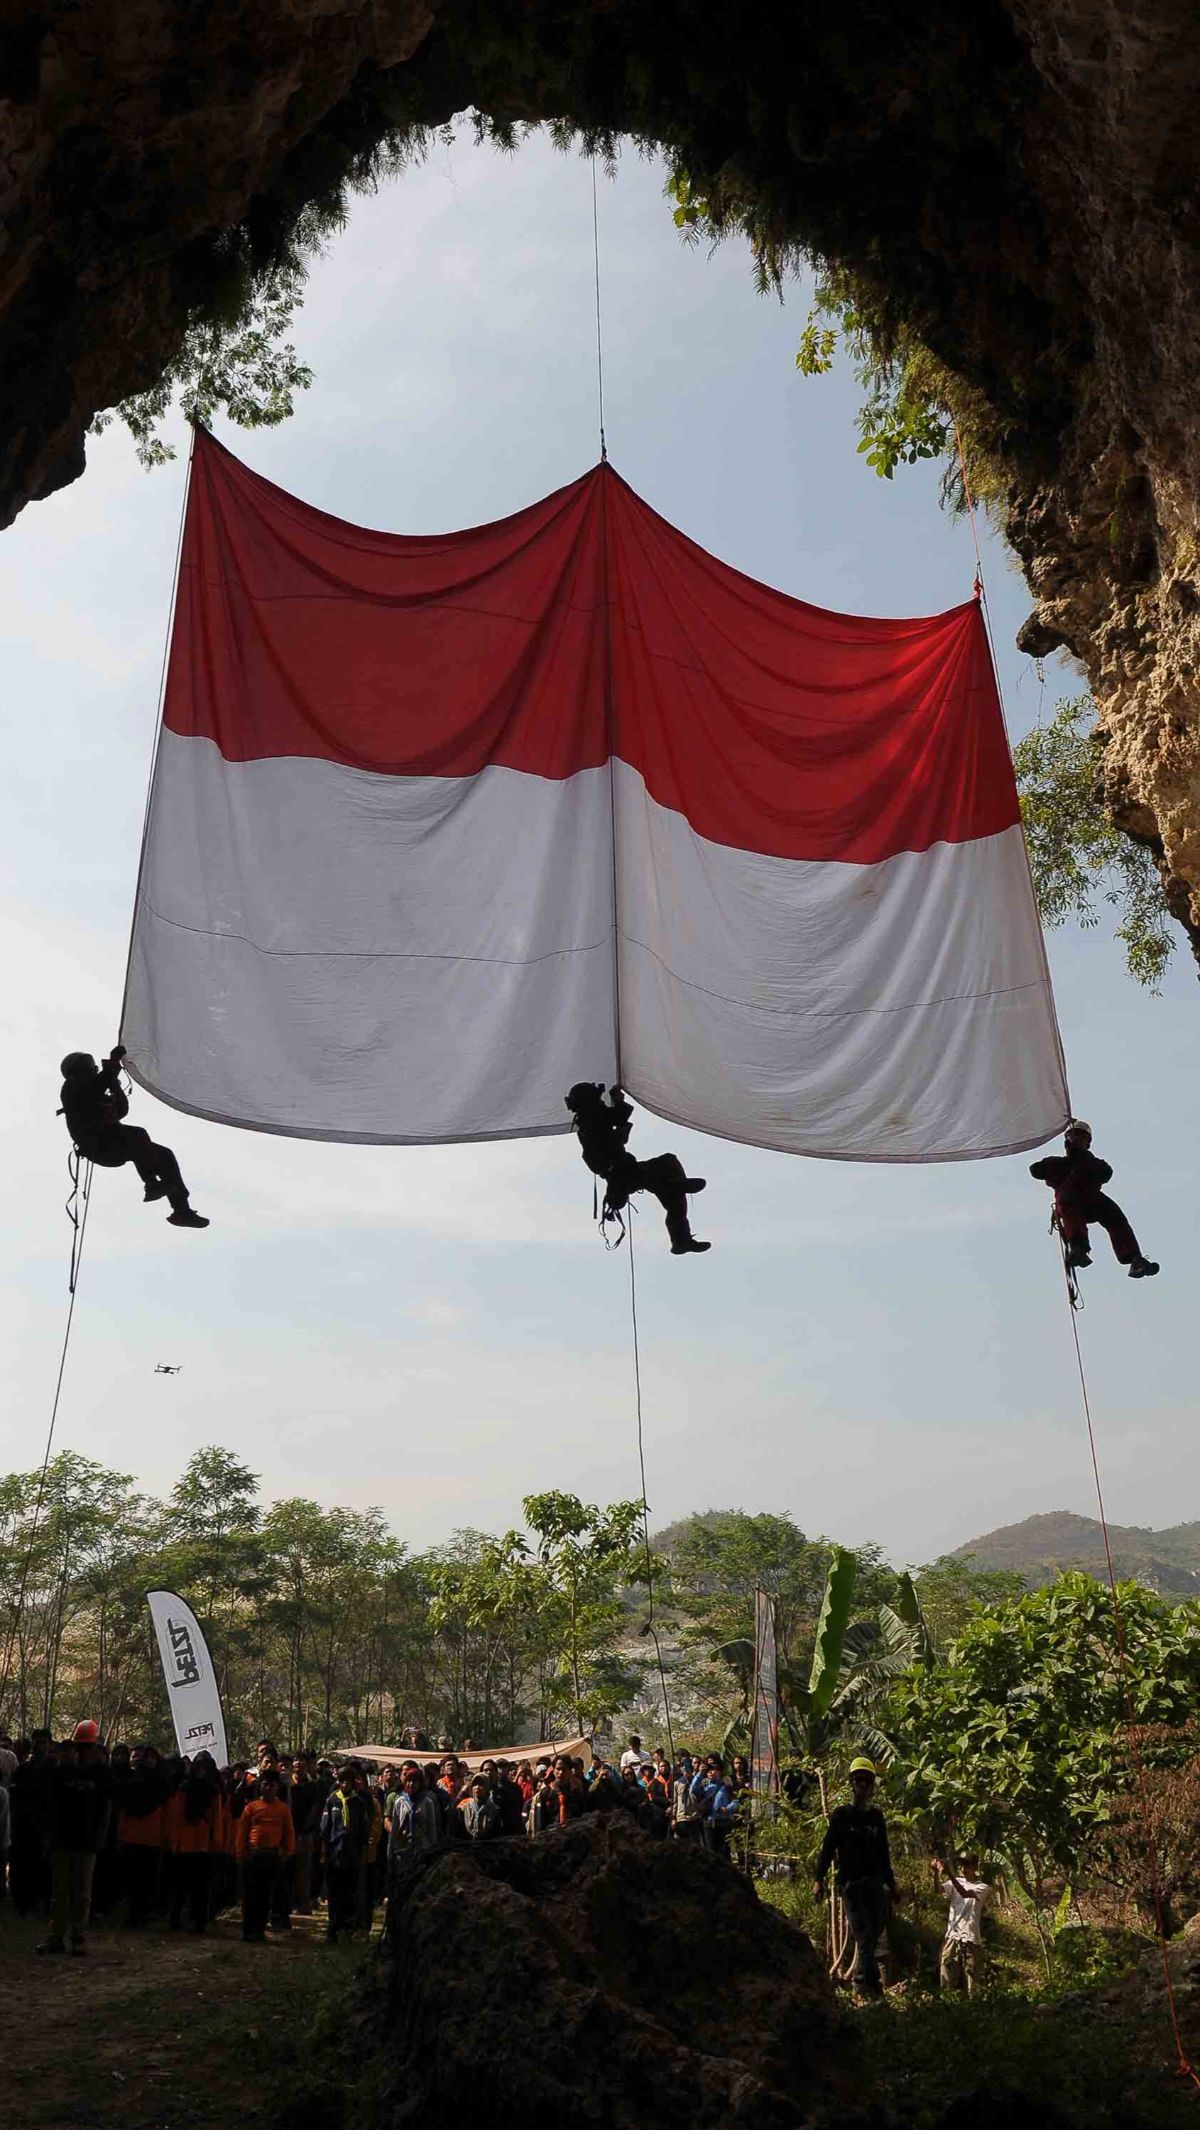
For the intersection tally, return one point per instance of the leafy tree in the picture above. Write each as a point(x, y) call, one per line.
point(717, 1560)
point(65, 1542)
point(1017, 1744)
point(236, 357)
point(496, 1614)
point(589, 1555)
point(951, 1591)
point(1076, 853)
point(237, 362)
point(905, 415)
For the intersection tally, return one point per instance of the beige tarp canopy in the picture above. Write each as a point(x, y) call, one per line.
point(383, 1755)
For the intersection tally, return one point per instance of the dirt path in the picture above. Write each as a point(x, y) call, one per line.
point(154, 2030)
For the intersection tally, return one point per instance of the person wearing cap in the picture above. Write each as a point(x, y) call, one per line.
point(79, 1797)
point(857, 1839)
point(1077, 1178)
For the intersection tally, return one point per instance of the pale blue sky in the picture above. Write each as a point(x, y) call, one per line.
point(884, 1353)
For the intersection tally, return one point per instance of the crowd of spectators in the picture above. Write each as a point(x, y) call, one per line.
point(144, 1837)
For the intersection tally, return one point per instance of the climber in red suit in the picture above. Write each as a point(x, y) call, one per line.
point(1077, 1179)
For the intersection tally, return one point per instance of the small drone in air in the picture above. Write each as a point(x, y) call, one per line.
point(167, 1368)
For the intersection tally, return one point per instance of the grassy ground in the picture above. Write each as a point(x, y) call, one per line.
point(164, 2031)
point(158, 2030)
point(1087, 2046)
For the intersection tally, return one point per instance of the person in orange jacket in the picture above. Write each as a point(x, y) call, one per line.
point(266, 1841)
point(140, 1797)
point(195, 1835)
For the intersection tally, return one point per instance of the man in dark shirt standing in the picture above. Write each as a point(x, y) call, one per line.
point(95, 1105)
point(857, 1838)
point(79, 1798)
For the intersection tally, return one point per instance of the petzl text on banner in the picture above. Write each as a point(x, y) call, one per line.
point(190, 1679)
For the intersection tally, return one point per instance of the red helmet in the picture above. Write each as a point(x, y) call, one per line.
point(86, 1733)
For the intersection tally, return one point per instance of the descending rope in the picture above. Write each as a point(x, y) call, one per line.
point(1185, 2067)
point(649, 1557)
point(599, 336)
point(80, 1172)
point(1075, 1306)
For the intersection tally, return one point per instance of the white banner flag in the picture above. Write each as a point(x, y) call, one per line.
point(191, 1681)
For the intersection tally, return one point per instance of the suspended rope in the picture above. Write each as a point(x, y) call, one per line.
point(157, 740)
point(648, 1555)
point(1185, 2067)
point(1075, 1306)
point(80, 1172)
point(78, 1169)
point(599, 335)
point(981, 595)
point(969, 500)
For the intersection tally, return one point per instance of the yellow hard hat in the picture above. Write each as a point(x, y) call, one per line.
point(862, 1766)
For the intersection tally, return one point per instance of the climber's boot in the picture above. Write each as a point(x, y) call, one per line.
point(185, 1216)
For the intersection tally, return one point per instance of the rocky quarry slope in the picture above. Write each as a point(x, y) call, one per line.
point(1014, 181)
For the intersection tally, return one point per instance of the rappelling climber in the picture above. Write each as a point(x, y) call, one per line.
point(94, 1104)
point(1077, 1179)
point(603, 1125)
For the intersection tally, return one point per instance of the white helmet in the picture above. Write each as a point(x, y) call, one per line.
point(1077, 1129)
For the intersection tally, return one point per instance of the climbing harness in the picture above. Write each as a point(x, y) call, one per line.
point(1069, 1271)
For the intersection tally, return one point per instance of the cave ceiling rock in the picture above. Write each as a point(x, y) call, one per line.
point(1014, 180)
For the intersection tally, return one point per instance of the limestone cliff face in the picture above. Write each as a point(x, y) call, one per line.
point(1017, 178)
point(1109, 538)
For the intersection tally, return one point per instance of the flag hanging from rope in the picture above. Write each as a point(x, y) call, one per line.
point(440, 824)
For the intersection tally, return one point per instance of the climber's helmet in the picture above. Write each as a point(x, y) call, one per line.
point(584, 1095)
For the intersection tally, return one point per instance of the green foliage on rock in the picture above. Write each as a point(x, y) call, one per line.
point(1078, 857)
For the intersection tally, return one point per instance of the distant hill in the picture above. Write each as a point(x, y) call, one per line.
point(1043, 1546)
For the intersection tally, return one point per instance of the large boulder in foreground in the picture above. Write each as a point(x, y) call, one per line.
point(594, 1977)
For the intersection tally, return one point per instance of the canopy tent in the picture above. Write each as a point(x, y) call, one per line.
point(391, 1755)
point(441, 825)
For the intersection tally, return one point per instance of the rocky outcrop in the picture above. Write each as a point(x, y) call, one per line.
point(604, 1980)
point(1016, 180)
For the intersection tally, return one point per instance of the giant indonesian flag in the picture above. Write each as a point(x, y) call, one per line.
point(436, 823)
